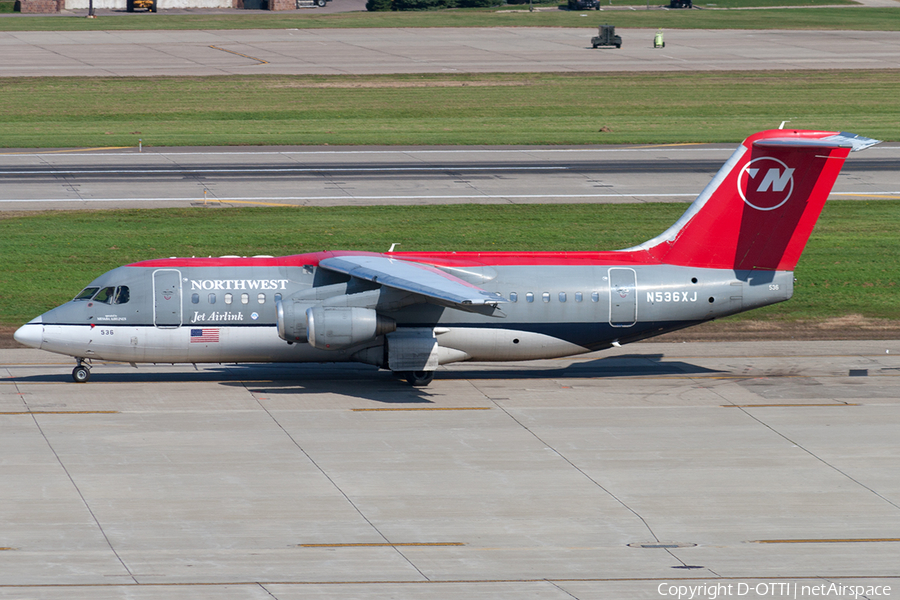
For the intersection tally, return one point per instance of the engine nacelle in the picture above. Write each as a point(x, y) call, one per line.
point(290, 317)
point(334, 328)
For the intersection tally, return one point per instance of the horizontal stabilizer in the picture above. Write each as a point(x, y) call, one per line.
point(841, 140)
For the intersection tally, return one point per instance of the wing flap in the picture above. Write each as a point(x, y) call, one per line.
point(435, 285)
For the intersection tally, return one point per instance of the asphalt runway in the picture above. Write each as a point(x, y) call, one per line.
point(612, 475)
point(316, 176)
point(436, 50)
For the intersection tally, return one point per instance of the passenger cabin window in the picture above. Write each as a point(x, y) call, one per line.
point(212, 298)
point(228, 298)
point(277, 297)
point(245, 298)
point(261, 298)
point(529, 297)
point(595, 296)
point(513, 297)
point(579, 297)
point(87, 293)
point(195, 298)
point(562, 296)
point(546, 296)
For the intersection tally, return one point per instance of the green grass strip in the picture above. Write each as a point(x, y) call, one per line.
point(845, 18)
point(523, 108)
point(850, 265)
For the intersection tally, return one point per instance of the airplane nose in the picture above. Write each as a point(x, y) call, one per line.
point(31, 334)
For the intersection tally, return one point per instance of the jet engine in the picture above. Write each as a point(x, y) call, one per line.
point(290, 317)
point(334, 328)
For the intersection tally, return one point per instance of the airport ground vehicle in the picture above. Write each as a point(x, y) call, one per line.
point(584, 4)
point(606, 36)
point(149, 5)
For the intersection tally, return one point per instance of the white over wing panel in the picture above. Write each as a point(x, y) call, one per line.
point(412, 277)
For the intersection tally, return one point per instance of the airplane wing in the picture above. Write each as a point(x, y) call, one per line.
point(435, 285)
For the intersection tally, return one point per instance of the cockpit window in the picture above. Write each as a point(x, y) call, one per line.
point(87, 293)
point(123, 295)
point(105, 295)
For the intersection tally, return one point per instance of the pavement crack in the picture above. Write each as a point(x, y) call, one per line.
point(563, 590)
point(267, 590)
point(80, 494)
point(807, 450)
point(335, 485)
point(574, 466)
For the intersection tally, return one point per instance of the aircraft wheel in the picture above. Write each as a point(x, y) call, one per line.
point(81, 374)
point(419, 378)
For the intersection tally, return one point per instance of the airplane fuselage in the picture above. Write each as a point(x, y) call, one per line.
point(225, 309)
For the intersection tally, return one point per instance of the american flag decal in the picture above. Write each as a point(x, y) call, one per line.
point(204, 336)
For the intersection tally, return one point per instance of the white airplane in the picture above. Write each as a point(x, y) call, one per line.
point(733, 250)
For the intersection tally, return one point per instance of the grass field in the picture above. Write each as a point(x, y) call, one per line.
point(850, 265)
point(441, 109)
point(847, 18)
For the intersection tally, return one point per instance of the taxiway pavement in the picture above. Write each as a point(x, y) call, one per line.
point(317, 176)
point(600, 476)
point(436, 50)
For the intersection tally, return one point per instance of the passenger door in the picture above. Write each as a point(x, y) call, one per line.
point(167, 298)
point(622, 297)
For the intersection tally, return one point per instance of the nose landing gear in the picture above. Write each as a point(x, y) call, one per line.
point(82, 372)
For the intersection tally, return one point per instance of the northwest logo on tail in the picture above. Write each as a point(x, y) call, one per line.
point(765, 183)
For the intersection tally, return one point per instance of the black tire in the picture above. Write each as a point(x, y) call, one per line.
point(418, 378)
point(321, 3)
point(618, 46)
point(81, 374)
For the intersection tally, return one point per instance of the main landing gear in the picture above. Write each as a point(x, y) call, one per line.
point(416, 378)
point(82, 372)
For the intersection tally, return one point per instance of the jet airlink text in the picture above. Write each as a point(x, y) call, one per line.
point(239, 284)
point(217, 316)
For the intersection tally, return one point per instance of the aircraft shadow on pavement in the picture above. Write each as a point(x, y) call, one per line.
point(627, 365)
point(369, 382)
point(382, 386)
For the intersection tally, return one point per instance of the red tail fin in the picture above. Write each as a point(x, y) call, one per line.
point(760, 209)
